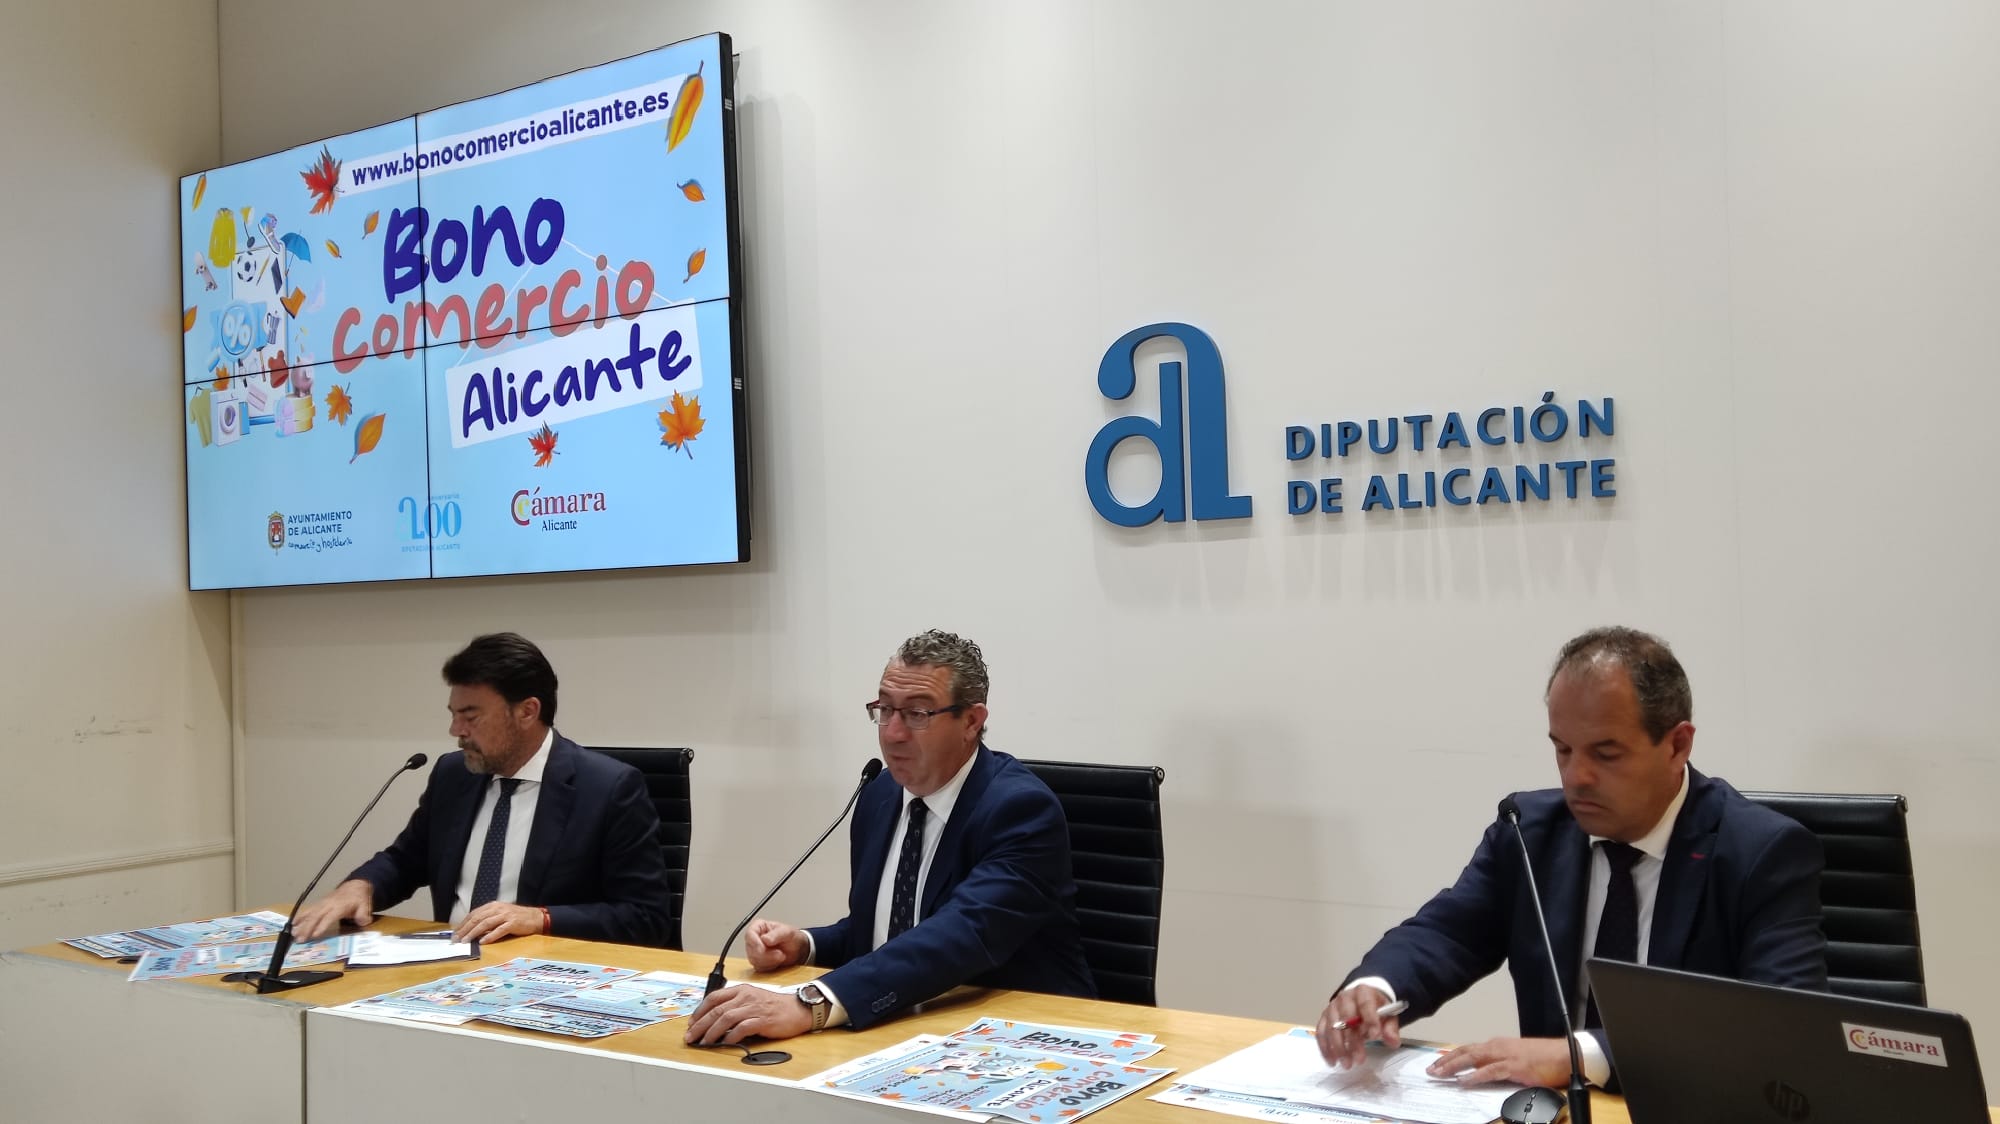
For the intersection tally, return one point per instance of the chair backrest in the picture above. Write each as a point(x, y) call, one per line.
point(1119, 856)
point(666, 773)
point(1869, 891)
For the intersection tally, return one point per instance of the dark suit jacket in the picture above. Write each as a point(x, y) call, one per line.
point(593, 854)
point(998, 908)
point(1738, 897)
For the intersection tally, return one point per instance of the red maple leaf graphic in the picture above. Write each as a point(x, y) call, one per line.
point(322, 180)
point(544, 445)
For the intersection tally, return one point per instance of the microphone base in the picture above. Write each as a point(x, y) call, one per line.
point(283, 981)
point(1579, 1100)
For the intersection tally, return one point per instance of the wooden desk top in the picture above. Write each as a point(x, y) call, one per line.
point(1189, 1039)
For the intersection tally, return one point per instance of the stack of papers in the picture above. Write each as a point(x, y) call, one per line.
point(985, 1069)
point(380, 950)
point(221, 930)
point(1284, 1078)
point(216, 960)
point(610, 1008)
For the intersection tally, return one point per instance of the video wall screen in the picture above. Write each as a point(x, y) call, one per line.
point(500, 337)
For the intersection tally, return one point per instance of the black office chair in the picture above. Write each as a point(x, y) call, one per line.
point(1869, 891)
point(666, 772)
point(1119, 856)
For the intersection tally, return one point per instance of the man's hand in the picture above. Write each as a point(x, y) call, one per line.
point(496, 921)
point(352, 900)
point(1356, 1006)
point(736, 1013)
point(1523, 1061)
point(771, 945)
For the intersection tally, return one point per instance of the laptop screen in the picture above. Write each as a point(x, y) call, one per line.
point(1698, 1048)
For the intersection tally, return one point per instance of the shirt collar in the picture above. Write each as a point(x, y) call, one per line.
point(940, 803)
point(1654, 842)
point(531, 771)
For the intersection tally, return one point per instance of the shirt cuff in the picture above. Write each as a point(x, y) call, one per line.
point(1376, 982)
point(836, 1014)
point(1596, 1067)
point(812, 950)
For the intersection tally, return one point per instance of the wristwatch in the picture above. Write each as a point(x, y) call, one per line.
point(816, 1002)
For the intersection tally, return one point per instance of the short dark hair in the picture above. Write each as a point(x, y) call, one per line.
point(510, 664)
point(1665, 699)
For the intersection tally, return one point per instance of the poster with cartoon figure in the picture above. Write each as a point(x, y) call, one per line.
point(610, 1008)
point(982, 1077)
point(217, 960)
point(491, 338)
point(462, 998)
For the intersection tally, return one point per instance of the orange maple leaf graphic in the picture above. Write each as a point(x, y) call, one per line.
point(338, 405)
point(680, 423)
point(544, 445)
point(322, 180)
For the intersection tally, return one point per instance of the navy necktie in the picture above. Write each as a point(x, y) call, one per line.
point(486, 887)
point(1618, 925)
point(903, 903)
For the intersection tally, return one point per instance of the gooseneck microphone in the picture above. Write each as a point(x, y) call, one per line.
point(275, 978)
point(1579, 1091)
point(716, 978)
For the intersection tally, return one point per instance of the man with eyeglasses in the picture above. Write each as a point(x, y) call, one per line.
point(960, 867)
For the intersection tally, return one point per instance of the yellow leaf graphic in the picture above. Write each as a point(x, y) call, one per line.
point(368, 224)
point(366, 436)
point(338, 404)
point(222, 239)
point(332, 248)
point(187, 320)
point(200, 189)
point(680, 423)
point(692, 189)
point(695, 261)
point(685, 104)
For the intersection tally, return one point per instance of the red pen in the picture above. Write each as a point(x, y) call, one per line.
point(1382, 1012)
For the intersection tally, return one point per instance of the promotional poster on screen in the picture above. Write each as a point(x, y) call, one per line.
point(610, 1008)
point(221, 930)
point(220, 959)
point(459, 999)
point(1031, 1086)
point(497, 337)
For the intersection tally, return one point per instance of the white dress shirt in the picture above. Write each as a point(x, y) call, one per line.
point(520, 821)
point(939, 805)
point(1646, 884)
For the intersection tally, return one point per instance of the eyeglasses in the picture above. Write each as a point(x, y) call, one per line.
point(915, 717)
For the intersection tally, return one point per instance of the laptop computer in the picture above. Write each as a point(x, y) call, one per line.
point(1697, 1048)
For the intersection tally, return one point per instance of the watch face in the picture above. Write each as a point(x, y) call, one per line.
point(811, 994)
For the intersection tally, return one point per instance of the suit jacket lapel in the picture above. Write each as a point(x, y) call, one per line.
point(943, 867)
point(454, 829)
point(552, 809)
point(874, 824)
point(1684, 874)
point(1567, 896)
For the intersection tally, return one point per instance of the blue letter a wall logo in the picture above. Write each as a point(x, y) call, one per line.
point(1204, 437)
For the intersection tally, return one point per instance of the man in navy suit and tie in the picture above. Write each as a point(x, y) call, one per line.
point(522, 831)
point(960, 871)
point(1638, 857)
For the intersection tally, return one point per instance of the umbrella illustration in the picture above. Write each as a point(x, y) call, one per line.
point(295, 246)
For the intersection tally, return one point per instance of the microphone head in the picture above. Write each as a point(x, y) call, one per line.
point(417, 761)
point(871, 770)
point(1509, 810)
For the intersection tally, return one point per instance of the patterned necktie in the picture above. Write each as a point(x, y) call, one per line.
point(903, 904)
point(486, 887)
point(1618, 925)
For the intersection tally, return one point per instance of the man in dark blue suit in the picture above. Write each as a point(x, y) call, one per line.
point(522, 831)
point(1638, 858)
point(960, 871)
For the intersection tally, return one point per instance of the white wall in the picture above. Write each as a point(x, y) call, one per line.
point(115, 682)
point(1766, 229)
